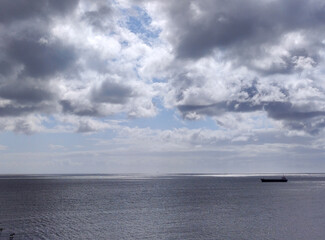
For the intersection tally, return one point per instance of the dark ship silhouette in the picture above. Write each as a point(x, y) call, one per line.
point(283, 179)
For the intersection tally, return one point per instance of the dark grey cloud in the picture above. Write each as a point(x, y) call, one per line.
point(31, 57)
point(313, 126)
point(26, 91)
point(287, 111)
point(227, 24)
point(11, 110)
point(16, 110)
point(276, 110)
point(24, 127)
point(84, 127)
point(111, 92)
point(5, 67)
point(99, 18)
point(301, 118)
point(41, 59)
point(220, 108)
point(87, 127)
point(11, 11)
point(70, 107)
point(27, 68)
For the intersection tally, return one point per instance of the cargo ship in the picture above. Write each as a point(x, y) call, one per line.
point(283, 179)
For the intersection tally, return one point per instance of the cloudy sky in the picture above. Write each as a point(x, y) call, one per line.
point(109, 86)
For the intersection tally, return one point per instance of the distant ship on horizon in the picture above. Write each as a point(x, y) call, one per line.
point(283, 179)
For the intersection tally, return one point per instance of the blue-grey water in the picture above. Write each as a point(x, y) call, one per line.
point(162, 207)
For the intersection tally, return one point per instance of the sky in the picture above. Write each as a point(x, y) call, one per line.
point(149, 86)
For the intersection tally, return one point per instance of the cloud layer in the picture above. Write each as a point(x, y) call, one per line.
point(71, 58)
point(81, 62)
point(235, 57)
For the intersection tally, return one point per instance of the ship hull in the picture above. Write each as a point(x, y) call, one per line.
point(274, 180)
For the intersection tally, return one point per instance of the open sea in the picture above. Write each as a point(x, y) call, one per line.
point(162, 207)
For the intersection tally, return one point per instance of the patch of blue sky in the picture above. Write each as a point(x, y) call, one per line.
point(262, 122)
point(124, 43)
point(140, 24)
point(158, 80)
point(26, 143)
point(50, 122)
point(168, 119)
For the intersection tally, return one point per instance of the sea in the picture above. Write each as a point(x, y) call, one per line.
point(173, 206)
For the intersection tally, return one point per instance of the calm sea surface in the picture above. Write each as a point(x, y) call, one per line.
point(162, 207)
